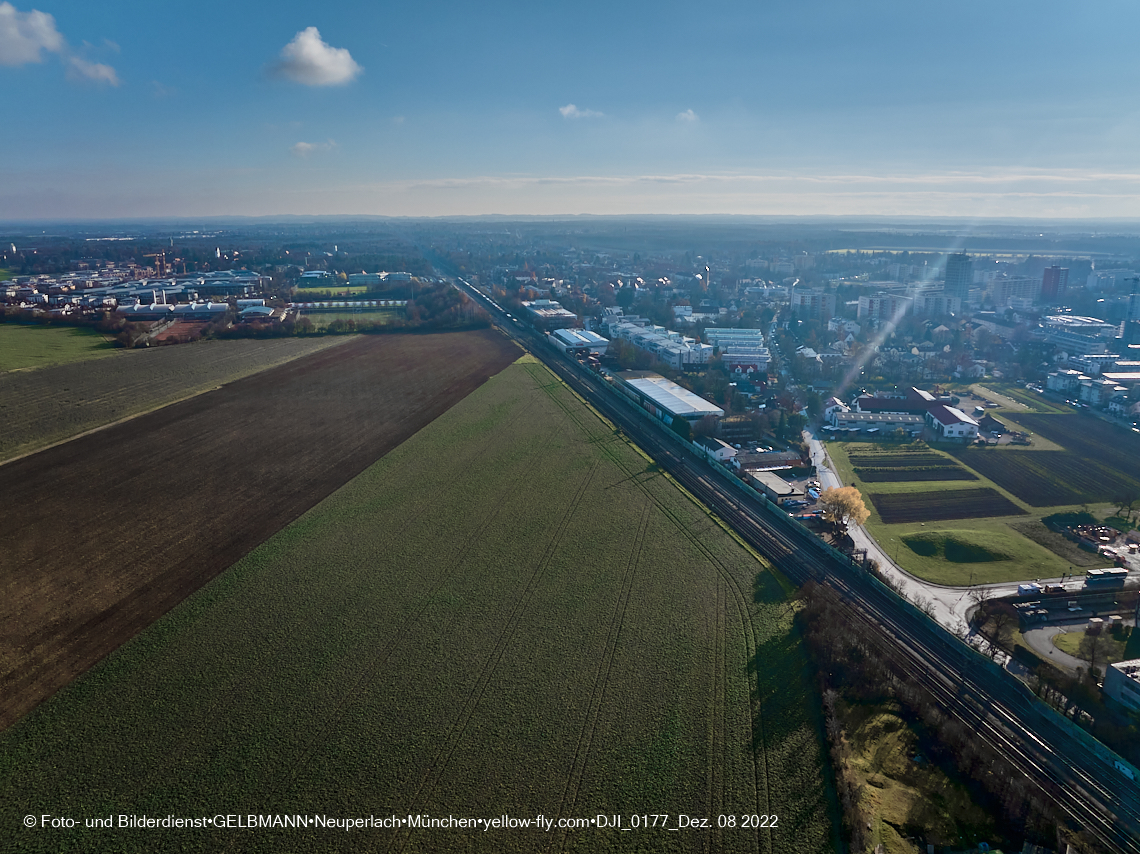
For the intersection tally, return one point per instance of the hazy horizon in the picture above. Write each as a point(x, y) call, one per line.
point(886, 110)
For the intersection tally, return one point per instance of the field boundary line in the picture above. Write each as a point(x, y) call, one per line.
point(128, 418)
point(397, 636)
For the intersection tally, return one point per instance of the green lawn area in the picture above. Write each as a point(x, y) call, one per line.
point(1025, 558)
point(335, 290)
point(322, 319)
point(970, 551)
point(1070, 642)
point(515, 611)
point(5, 274)
point(903, 795)
point(1028, 399)
point(30, 345)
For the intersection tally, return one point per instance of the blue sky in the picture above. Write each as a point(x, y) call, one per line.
point(434, 108)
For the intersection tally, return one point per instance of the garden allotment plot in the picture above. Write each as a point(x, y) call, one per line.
point(512, 612)
point(942, 505)
point(1051, 478)
point(875, 465)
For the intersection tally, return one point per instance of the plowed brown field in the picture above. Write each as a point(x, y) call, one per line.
point(103, 534)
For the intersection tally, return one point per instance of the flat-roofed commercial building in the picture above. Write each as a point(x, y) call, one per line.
point(774, 487)
point(579, 340)
point(741, 359)
point(1078, 334)
point(885, 421)
point(672, 348)
point(664, 398)
point(1122, 683)
point(548, 314)
point(726, 337)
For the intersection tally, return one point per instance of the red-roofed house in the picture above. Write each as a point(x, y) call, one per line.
point(951, 423)
point(916, 402)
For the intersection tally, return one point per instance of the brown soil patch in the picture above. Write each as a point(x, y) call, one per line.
point(104, 534)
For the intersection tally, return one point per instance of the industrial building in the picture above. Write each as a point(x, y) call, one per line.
point(663, 398)
point(774, 487)
point(715, 449)
point(182, 311)
point(578, 341)
point(915, 402)
point(548, 314)
point(879, 421)
point(1122, 683)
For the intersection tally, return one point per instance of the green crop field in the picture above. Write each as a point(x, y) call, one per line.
point(38, 408)
point(514, 612)
point(30, 345)
point(1051, 478)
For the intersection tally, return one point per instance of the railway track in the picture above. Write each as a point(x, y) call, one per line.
point(993, 704)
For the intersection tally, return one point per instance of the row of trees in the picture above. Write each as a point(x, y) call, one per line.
point(853, 661)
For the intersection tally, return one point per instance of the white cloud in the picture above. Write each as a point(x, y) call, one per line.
point(688, 116)
point(304, 149)
point(80, 68)
point(308, 60)
point(572, 112)
point(24, 34)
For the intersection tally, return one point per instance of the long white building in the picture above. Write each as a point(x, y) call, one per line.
point(724, 337)
point(674, 349)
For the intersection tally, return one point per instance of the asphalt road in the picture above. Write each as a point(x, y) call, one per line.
point(1076, 773)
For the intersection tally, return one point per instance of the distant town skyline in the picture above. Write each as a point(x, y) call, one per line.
point(124, 109)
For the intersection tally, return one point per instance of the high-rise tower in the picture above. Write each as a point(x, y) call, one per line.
point(959, 276)
point(1054, 283)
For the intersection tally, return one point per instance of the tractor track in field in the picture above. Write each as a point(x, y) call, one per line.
point(455, 736)
point(574, 780)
